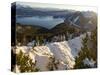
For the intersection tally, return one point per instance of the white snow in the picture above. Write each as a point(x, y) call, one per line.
point(24, 49)
point(76, 44)
point(62, 66)
point(32, 56)
point(42, 62)
point(89, 62)
point(62, 52)
point(31, 43)
point(76, 19)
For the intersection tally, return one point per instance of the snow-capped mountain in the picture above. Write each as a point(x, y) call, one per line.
point(51, 17)
point(83, 20)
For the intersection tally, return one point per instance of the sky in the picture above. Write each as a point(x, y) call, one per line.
point(59, 6)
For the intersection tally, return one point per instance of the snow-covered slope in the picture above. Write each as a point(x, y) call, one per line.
point(64, 52)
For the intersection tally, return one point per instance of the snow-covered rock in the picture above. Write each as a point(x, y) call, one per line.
point(42, 62)
point(32, 56)
point(24, 49)
point(64, 51)
point(43, 50)
point(75, 45)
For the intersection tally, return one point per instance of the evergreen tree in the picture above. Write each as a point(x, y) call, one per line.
point(82, 54)
point(37, 40)
point(52, 65)
point(25, 63)
point(89, 50)
point(94, 45)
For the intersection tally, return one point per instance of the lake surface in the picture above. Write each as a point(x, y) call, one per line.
point(47, 21)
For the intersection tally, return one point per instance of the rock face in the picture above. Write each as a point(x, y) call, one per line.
point(64, 52)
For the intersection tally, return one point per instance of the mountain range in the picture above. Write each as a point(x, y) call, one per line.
point(70, 21)
point(83, 19)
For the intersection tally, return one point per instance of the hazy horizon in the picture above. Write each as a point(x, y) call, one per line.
point(58, 6)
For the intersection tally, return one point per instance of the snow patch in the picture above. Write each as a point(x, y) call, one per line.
point(89, 62)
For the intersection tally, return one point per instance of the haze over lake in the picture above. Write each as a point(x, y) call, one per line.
point(44, 21)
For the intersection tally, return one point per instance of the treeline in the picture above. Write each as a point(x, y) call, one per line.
point(28, 33)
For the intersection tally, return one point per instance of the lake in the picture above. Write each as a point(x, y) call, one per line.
point(47, 21)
